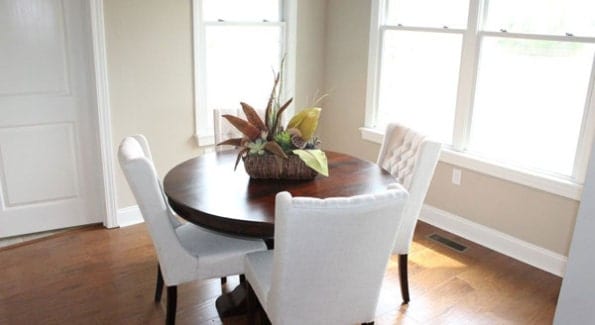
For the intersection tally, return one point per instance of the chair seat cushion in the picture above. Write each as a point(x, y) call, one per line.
point(218, 254)
point(259, 269)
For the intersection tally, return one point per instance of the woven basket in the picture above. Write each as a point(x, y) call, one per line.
point(273, 167)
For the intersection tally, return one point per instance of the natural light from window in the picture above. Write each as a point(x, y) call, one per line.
point(418, 81)
point(240, 62)
point(529, 102)
point(241, 10)
point(555, 17)
point(452, 14)
point(238, 50)
point(501, 82)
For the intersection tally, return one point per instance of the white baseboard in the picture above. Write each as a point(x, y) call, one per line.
point(523, 251)
point(129, 216)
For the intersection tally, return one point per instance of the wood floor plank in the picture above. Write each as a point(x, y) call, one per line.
point(100, 276)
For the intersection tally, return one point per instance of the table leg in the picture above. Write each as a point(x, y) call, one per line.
point(235, 303)
point(232, 303)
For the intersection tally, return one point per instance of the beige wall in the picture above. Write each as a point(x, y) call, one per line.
point(309, 56)
point(531, 215)
point(149, 46)
point(149, 49)
point(150, 73)
point(348, 26)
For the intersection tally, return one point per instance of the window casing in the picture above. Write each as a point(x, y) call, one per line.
point(238, 46)
point(481, 82)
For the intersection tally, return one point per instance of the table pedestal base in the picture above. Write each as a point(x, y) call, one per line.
point(232, 303)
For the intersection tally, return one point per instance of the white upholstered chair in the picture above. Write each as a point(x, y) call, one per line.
point(411, 158)
point(329, 259)
point(185, 252)
point(223, 129)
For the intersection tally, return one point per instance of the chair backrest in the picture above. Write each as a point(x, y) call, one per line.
point(223, 129)
point(330, 256)
point(142, 178)
point(411, 158)
point(144, 144)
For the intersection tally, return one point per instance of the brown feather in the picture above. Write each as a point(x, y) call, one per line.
point(240, 154)
point(269, 108)
point(274, 148)
point(278, 117)
point(245, 127)
point(233, 142)
point(253, 117)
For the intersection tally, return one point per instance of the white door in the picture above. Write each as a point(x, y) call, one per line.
point(49, 166)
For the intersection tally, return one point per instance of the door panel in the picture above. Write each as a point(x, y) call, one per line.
point(33, 44)
point(49, 165)
point(38, 164)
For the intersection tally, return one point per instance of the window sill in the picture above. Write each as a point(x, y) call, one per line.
point(550, 184)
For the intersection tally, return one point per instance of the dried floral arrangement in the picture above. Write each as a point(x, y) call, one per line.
point(269, 137)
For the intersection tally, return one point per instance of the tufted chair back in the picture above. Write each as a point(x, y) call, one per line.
point(411, 158)
point(223, 129)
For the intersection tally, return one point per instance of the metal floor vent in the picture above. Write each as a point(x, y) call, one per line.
point(448, 243)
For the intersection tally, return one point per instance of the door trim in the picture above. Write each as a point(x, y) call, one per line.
point(104, 116)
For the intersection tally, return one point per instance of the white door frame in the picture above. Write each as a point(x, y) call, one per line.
point(104, 116)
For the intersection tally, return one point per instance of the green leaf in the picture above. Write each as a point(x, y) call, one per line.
point(315, 159)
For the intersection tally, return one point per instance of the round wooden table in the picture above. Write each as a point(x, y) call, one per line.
point(207, 191)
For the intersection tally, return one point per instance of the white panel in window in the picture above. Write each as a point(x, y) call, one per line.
point(428, 13)
point(418, 82)
point(240, 64)
point(556, 17)
point(241, 10)
point(529, 102)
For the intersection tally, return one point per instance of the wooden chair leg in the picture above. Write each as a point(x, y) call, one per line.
point(251, 304)
point(159, 285)
point(223, 280)
point(403, 278)
point(172, 299)
point(242, 278)
point(255, 313)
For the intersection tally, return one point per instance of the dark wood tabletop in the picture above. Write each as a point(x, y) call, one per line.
point(207, 191)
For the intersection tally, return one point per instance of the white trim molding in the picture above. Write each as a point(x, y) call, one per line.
point(543, 182)
point(103, 108)
point(129, 216)
point(523, 251)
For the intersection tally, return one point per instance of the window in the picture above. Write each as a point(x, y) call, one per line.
point(505, 81)
point(238, 45)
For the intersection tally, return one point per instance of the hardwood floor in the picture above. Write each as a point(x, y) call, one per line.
point(99, 276)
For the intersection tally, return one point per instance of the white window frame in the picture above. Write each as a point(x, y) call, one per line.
point(203, 127)
point(456, 154)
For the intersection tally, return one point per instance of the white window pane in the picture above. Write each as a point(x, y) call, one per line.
point(542, 16)
point(240, 64)
point(241, 10)
point(418, 81)
point(529, 102)
point(428, 13)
